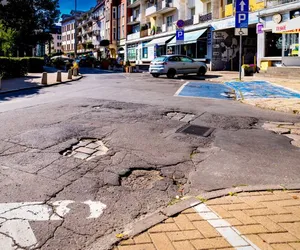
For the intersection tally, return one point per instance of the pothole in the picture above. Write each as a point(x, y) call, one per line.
point(180, 116)
point(86, 149)
point(141, 179)
point(288, 129)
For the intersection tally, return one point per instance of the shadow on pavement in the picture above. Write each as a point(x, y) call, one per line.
point(21, 93)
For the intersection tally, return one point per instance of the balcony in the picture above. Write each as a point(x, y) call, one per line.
point(151, 10)
point(133, 36)
point(165, 28)
point(202, 18)
point(134, 19)
point(145, 33)
point(229, 10)
point(161, 7)
point(133, 3)
point(274, 3)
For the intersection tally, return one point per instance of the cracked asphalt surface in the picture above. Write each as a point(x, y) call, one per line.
point(147, 163)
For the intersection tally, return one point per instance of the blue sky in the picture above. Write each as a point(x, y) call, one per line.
point(67, 5)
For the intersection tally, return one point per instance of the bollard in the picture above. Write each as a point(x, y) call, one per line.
point(58, 77)
point(44, 78)
point(70, 74)
point(75, 72)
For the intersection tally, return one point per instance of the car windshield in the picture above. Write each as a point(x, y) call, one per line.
point(160, 59)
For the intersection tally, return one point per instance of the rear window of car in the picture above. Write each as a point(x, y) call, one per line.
point(160, 59)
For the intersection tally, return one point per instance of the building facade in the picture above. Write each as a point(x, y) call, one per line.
point(140, 30)
point(55, 45)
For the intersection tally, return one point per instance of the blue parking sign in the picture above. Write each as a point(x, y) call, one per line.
point(179, 35)
point(242, 13)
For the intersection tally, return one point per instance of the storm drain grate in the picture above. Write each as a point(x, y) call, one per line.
point(196, 130)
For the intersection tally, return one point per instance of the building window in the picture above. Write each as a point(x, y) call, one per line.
point(169, 21)
point(114, 34)
point(229, 1)
point(123, 31)
point(131, 54)
point(122, 10)
point(119, 11)
point(192, 12)
point(114, 14)
point(118, 37)
point(208, 7)
point(145, 52)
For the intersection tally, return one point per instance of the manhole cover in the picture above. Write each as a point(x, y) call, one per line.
point(86, 149)
point(196, 130)
point(180, 116)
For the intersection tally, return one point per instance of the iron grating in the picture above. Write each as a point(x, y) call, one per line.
point(196, 130)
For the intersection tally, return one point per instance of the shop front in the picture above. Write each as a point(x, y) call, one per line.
point(290, 39)
point(157, 47)
point(225, 44)
point(194, 45)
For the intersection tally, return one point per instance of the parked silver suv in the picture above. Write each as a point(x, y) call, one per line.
point(171, 65)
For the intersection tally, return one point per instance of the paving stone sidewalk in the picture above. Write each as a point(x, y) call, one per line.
point(249, 220)
point(32, 80)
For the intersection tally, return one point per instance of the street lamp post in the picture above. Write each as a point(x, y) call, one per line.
point(75, 33)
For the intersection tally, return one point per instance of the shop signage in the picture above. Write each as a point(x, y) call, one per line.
point(242, 14)
point(259, 28)
point(241, 31)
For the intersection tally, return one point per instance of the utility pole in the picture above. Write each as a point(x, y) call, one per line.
point(75, 34)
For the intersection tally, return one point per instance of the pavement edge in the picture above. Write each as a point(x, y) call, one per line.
point(161, 215)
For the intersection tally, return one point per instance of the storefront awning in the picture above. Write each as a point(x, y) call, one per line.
point(291, 26)
point(159, 41)
point(189, 37)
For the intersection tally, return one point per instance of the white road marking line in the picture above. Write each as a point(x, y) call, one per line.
point(15, 229)
point(181, 88)
point(231, 234)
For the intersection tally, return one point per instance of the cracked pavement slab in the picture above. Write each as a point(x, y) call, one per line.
point(147, 163)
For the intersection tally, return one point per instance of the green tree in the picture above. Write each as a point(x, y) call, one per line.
point(32, 19)
point(7, 40)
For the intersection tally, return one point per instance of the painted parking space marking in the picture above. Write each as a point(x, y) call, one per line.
point(15, 229)
point(260, 89)
point(230, 233)
point(204, 90)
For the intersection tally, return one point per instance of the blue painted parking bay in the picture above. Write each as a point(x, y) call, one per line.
point(260, 89)
point(204, 90)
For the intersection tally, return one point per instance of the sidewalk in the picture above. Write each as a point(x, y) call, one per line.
point(291, 105)
point(248, 220)
point(33, 80)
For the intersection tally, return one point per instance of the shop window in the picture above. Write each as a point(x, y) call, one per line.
point(291, 45)
point(169, 21)
point(131, 53)
point(145, 52)
point(273, 45)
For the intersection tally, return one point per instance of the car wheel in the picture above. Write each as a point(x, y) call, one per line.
point(201, 71)
point(171, 73)
point(155, 75)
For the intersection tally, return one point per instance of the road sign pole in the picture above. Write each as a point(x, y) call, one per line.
point(240, 59)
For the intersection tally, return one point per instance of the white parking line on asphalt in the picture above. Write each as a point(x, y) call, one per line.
point(231, 234)
point(15, 229)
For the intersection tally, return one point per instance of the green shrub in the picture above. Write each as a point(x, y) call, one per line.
point(11, 67)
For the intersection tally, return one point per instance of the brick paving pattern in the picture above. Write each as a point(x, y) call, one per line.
point(265, 220)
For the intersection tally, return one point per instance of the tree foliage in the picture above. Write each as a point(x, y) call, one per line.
point(7, 40)
point(31, 19)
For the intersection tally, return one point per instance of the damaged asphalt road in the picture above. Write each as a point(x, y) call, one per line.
point(74, 200)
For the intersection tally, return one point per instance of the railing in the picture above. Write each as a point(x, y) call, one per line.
point(134, 18)
point(145, 33)
point(151, 10)
point(272, 3)
point(205, 17)
point(133, 36)
point(189, 22)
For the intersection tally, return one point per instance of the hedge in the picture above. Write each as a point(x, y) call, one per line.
point(11, 67)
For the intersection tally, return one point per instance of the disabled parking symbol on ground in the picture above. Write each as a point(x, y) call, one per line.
point(205, 90)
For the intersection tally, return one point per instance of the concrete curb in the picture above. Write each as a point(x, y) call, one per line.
point(40, 86)
point(161, 215)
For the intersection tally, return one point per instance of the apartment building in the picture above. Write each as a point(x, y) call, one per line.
point(68, 31)
point(55, 45)
point(85, 32)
